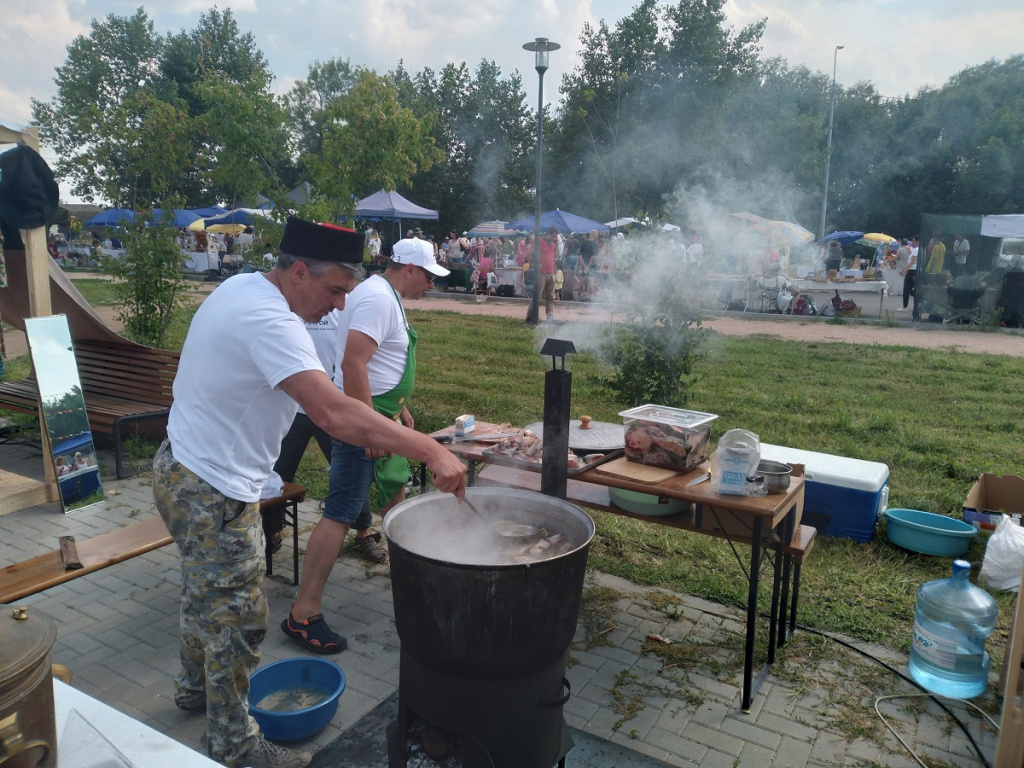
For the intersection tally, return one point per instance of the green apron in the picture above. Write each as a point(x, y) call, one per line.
point(392, 473)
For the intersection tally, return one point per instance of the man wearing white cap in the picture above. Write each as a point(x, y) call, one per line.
point(378, 366)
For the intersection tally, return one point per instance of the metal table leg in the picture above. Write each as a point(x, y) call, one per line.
point(748, 651)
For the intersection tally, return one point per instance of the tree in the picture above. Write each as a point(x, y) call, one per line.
point(309, 100)
point(370, 141)
point(103, 70)
point(603, 97)
point(215, 45)
point(247, 137)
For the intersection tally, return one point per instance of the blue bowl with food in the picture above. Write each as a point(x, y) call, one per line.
point(928, 533)
point(296, 698)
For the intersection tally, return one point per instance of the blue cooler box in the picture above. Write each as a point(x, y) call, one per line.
point(843, 497)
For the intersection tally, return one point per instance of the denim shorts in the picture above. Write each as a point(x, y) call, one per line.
point(351, 477)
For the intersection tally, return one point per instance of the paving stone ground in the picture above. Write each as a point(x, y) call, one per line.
point(118, 634)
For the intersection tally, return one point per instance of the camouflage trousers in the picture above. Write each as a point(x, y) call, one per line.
point(223, 601)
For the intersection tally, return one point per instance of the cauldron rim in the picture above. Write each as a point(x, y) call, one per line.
point(585, 526)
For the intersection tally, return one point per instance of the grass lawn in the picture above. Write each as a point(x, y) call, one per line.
point(97, 291)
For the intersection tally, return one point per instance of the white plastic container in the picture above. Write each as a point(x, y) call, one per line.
point(661, 436)
point(843, 496)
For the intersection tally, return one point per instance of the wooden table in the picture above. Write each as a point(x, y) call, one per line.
point(768, 524)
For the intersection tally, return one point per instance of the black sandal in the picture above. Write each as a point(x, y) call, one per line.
point(276, 542)
point(313, 634)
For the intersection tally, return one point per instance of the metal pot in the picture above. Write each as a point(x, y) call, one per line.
point(470, 613)
point(775, 476)
point(28, 729)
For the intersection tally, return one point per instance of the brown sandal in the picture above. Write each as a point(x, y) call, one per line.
point(371, 548)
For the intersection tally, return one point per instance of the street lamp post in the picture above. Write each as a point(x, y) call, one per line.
point(828, 143)
point(541, 46)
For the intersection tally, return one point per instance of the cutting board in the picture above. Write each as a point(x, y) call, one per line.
point(638, 473)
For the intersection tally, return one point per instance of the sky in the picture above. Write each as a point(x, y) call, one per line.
point(898, 45)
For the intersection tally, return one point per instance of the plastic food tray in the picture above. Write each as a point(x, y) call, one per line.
point(534, 466)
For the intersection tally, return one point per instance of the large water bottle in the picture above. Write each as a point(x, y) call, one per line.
point(952, 621)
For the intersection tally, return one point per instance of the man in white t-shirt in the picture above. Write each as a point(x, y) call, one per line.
point(378, 366)
point(695, 253)
point(961, 250)
point(324, 333)
point(247, 364)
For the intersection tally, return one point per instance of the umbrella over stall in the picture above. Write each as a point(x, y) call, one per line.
point(874, 238)
point(844, 237)
point(772, 234)
point(563, 221)
point(494, 228)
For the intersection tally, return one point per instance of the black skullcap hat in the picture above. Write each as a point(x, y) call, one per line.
point(322, 242)
point(28, 192)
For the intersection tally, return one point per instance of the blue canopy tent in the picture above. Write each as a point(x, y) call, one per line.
point(238, 216)
point(213, 210)
point(561, 220)
point(72, 444)
point(174, 218)
point(391, 205)
point(112, 217)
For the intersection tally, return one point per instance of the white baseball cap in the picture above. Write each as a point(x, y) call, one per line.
point(420, 253)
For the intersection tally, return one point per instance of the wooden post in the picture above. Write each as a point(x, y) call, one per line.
point(1010, 747)
point(23, 492)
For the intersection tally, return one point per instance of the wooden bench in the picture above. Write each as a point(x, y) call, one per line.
point(290, 498)
point(99, 552)
point(44, 571)
point(122, 383)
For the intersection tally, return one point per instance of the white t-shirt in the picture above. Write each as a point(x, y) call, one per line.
point(695, 253)
point(228, 416)
point(325, 338)
point(373, 308)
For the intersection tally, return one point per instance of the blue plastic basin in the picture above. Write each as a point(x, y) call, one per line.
point(299, 673)
point(928, 533)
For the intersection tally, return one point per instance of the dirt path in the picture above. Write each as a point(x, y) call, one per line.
point(923, 335)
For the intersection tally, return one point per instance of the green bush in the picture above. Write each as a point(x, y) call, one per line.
point(150, 289)
point(653, 353)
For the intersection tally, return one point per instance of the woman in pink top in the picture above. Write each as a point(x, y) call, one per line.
point(486, 266)
point(525, 250)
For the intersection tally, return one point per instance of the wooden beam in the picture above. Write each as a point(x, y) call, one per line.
point(37, 271)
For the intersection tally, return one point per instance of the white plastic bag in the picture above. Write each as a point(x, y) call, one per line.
point(736, 459)
point(1004, 556)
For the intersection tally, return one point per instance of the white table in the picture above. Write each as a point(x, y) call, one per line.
point(199, 261)
point(894, 280)
point(830, 287)
point(512, 277)
point(143, 746)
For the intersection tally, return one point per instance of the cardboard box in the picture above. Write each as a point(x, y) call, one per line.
point(991, 496)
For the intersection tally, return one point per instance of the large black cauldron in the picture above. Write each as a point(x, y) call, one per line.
point(463, 607)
